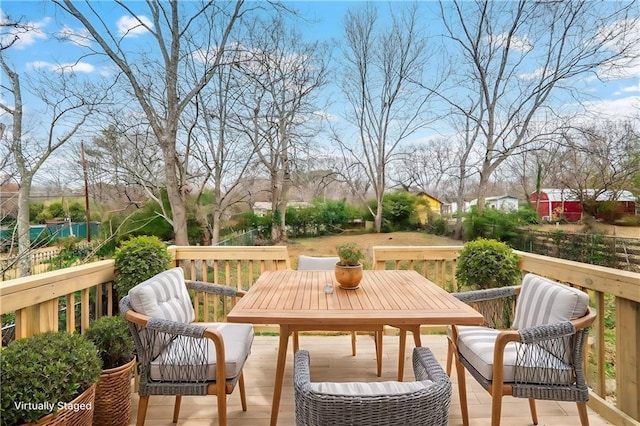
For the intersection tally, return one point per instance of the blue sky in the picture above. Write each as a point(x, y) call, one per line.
point(617, 97)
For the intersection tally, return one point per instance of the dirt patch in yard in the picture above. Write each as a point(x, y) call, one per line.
point(326, 245)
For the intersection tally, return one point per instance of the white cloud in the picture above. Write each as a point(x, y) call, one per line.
point(26, 35)
point(129, 26)
point(79, 67)
point(521, 44)
point(615, 39)
point(628, 89)
point(80, 37)
point(536, 75)
point(635, 88)
point(616, 109)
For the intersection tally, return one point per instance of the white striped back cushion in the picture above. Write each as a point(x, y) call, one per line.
point(164, 296)
point(369, 388)
point(543, 301)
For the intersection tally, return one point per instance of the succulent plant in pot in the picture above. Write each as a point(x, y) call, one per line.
point(349, 254)
point(48, 378)
point(349, 269)
point(115, 347)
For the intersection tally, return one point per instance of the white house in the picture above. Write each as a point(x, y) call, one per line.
point(502, 202)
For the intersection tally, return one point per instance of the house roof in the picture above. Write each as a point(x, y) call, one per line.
point(565, 194)
point(429, 195)
point(494, 198)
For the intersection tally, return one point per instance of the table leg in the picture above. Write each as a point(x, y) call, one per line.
point(401, 349)
point(282, 360)
point(415, 330)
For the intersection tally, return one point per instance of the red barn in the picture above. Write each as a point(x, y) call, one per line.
point(563, 203)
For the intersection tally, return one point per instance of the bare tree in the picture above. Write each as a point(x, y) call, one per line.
point(515, 57)
point(224, 153)
point(382, 69)
point(600, 159)
point(67, 107)
point(158, 81)
point(283, 74)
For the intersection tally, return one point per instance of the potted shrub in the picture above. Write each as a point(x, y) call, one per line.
point(137, 260)
point(115, 347)
point(49, 378)
point(349, 269)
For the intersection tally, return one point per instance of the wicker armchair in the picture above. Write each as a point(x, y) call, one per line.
point(540, 357)
point(177, 356)
point(313, 263)
point(424, 402)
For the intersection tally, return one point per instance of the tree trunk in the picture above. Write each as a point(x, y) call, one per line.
point(378, 218)
point(24, 238)
point(175, 191)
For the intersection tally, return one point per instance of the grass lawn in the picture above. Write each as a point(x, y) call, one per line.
point(326, 245)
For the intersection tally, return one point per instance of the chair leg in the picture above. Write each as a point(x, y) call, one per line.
point(462, 392)
point(222, 409)
point(534, 412)
point(142, 410)
point(496, 406)
point(353, 343)
point(449, 356)
point(582, 412)
point(176, 408)
point(243, 395)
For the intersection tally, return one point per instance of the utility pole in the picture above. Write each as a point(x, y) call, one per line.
point(86, 192)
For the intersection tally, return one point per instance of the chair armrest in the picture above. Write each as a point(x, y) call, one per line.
point(178, 328)
point(426, 367)
point(541, 333)
point(210, 288)
point(486, 294)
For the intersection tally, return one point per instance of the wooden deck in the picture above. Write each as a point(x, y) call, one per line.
point(331, 360)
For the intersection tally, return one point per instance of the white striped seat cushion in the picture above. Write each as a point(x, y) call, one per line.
point(476, 344)
point(164, 296)
point(369, 388)
point(178, 360)
point(543, 301)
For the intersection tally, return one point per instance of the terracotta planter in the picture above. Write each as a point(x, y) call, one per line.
point(349, 277)
point(113, 396)
point(78, 412)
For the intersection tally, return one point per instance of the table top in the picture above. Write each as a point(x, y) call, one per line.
point(386, 297)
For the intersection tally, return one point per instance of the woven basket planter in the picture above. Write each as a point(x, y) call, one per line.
point(79, 412)
point(113, 396)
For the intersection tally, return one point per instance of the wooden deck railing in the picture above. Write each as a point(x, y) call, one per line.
point(40, 301)
point(37, 300)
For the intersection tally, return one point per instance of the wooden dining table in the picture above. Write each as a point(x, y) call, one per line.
point(314, 301)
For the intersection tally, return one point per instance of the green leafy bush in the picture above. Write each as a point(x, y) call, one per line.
point(486, 264)
point(53, 367)
point(137, 260)
point(112, 338)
